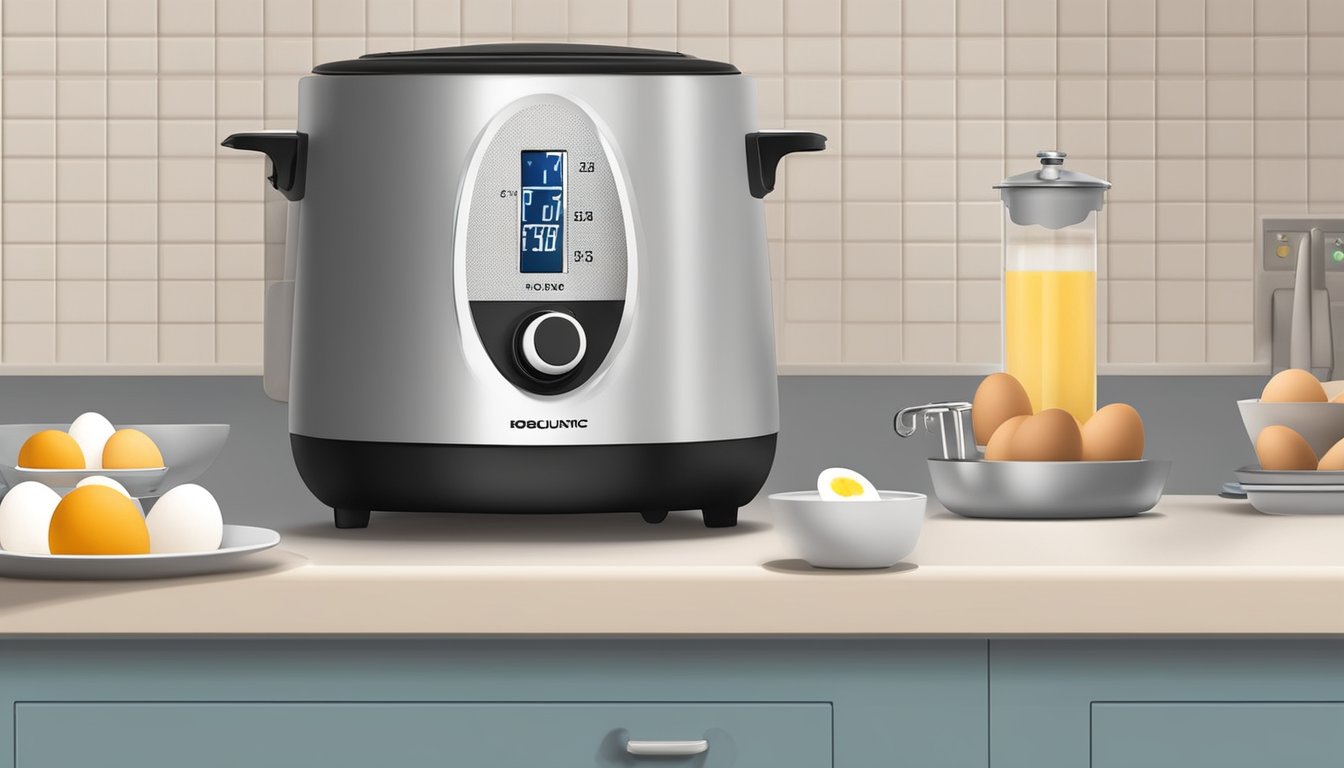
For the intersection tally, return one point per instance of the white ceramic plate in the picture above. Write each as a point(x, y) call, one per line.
point(1297, 499)
point(239, 542)
point(137, 482)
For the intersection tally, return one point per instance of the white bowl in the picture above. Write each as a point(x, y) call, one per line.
point(850, 534)
point(1322, 424)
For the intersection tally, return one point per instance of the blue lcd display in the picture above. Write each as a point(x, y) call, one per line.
point(541, 212)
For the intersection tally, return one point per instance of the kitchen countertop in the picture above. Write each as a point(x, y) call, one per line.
point(1194, 565)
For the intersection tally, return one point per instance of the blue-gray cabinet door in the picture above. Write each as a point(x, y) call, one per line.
point(417, 735)
point(1144, 703)
point(1248, 735)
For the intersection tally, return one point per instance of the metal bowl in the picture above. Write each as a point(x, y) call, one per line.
point(1048, 489)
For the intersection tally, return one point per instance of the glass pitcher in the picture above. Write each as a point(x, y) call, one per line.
point(1050, 284)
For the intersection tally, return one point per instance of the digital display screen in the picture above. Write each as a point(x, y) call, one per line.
point(541, 212)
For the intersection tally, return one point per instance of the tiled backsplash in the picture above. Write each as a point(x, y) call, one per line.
point(130, 238)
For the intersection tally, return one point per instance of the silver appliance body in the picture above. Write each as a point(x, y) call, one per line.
point(647, 379)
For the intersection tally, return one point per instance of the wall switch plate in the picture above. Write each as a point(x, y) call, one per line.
point(1276, 268)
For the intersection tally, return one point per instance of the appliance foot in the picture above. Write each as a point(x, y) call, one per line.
point(654, 516)
point(720, 517)
point(351, 518)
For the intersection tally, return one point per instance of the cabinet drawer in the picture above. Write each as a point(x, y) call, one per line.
point(1231, 735)
point(411, 735)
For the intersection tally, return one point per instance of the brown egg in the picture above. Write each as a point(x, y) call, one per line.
point(1282, 448)
point(1114, 433)
point(999, 398)
point(1293, 386)
point(1333, 460)
point(1051, 435)
point(999, 447)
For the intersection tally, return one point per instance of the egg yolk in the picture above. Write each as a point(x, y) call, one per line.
point(97, 520)
point(51, 449)
point(131, 449)
point(846, 486)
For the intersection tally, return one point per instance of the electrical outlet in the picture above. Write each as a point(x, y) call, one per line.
point(1280, 241)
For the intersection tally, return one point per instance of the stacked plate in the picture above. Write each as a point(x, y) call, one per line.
point(1277, 492)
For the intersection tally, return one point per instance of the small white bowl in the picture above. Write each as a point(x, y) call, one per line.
point(850, 534)
point(1322, 424)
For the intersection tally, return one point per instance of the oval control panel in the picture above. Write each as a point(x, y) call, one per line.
point(546, 258)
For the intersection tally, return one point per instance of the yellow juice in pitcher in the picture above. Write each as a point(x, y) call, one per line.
point(1050, 337)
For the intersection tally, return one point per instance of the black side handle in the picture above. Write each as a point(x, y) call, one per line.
point(288, 151)
point(766, 148)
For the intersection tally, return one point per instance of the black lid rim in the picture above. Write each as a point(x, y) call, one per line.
point(528, 58)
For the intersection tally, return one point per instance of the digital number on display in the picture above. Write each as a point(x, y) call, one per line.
point(541, 212)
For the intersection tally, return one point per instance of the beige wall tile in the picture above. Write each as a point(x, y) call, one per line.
point(929, 261)
point(186, 343)
point(29, 262)
point(928, 342)
point(29, 343)
point(872, 343)
point(1132, 343)
point(876, 260)
point(1229, 343)
point(1230, 55)
point(811, 342)
point(929, 56)
point(132, 343)
point(238, 343)
point(1228, 301)
point(29, 301)
point(29, 17)
point(1280, 55)
point(927, 17)
point(872, 301)
point(980, 17)
point(1180, 342)
point(980, 56)
point(83, 343)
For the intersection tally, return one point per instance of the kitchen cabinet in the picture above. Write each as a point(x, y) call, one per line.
point(1167, 703)
point(355, 735)
point(503, 703)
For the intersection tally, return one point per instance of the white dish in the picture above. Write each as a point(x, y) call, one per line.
point(1322, 424)
point(139, 483)
point(1252, 475)
point(239, 542)
point(1296, 499)
point(850, 534)
point(188, 450)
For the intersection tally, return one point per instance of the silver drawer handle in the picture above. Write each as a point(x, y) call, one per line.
point(666, 748)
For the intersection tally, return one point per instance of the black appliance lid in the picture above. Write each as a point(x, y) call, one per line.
point(528, 59)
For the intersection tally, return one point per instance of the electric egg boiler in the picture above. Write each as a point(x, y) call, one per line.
point(526, 278)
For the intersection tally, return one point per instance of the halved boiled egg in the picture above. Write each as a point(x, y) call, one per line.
point(840, 484)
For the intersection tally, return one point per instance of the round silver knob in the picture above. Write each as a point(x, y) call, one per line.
point(553, 343)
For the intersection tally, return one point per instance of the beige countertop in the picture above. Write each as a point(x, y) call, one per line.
point(1194, 565)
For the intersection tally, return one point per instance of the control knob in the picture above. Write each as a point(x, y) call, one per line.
point(552, 344)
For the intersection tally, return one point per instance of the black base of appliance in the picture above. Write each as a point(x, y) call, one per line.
point(354, 477)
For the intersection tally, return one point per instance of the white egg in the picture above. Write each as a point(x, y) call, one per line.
point(185, 519)
point(25, 517)
point(110, 483)
point(840, 484)
point(91, 431)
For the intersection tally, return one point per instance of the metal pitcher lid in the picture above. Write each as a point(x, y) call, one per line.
point(1052, 196)
point(1052, 173)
